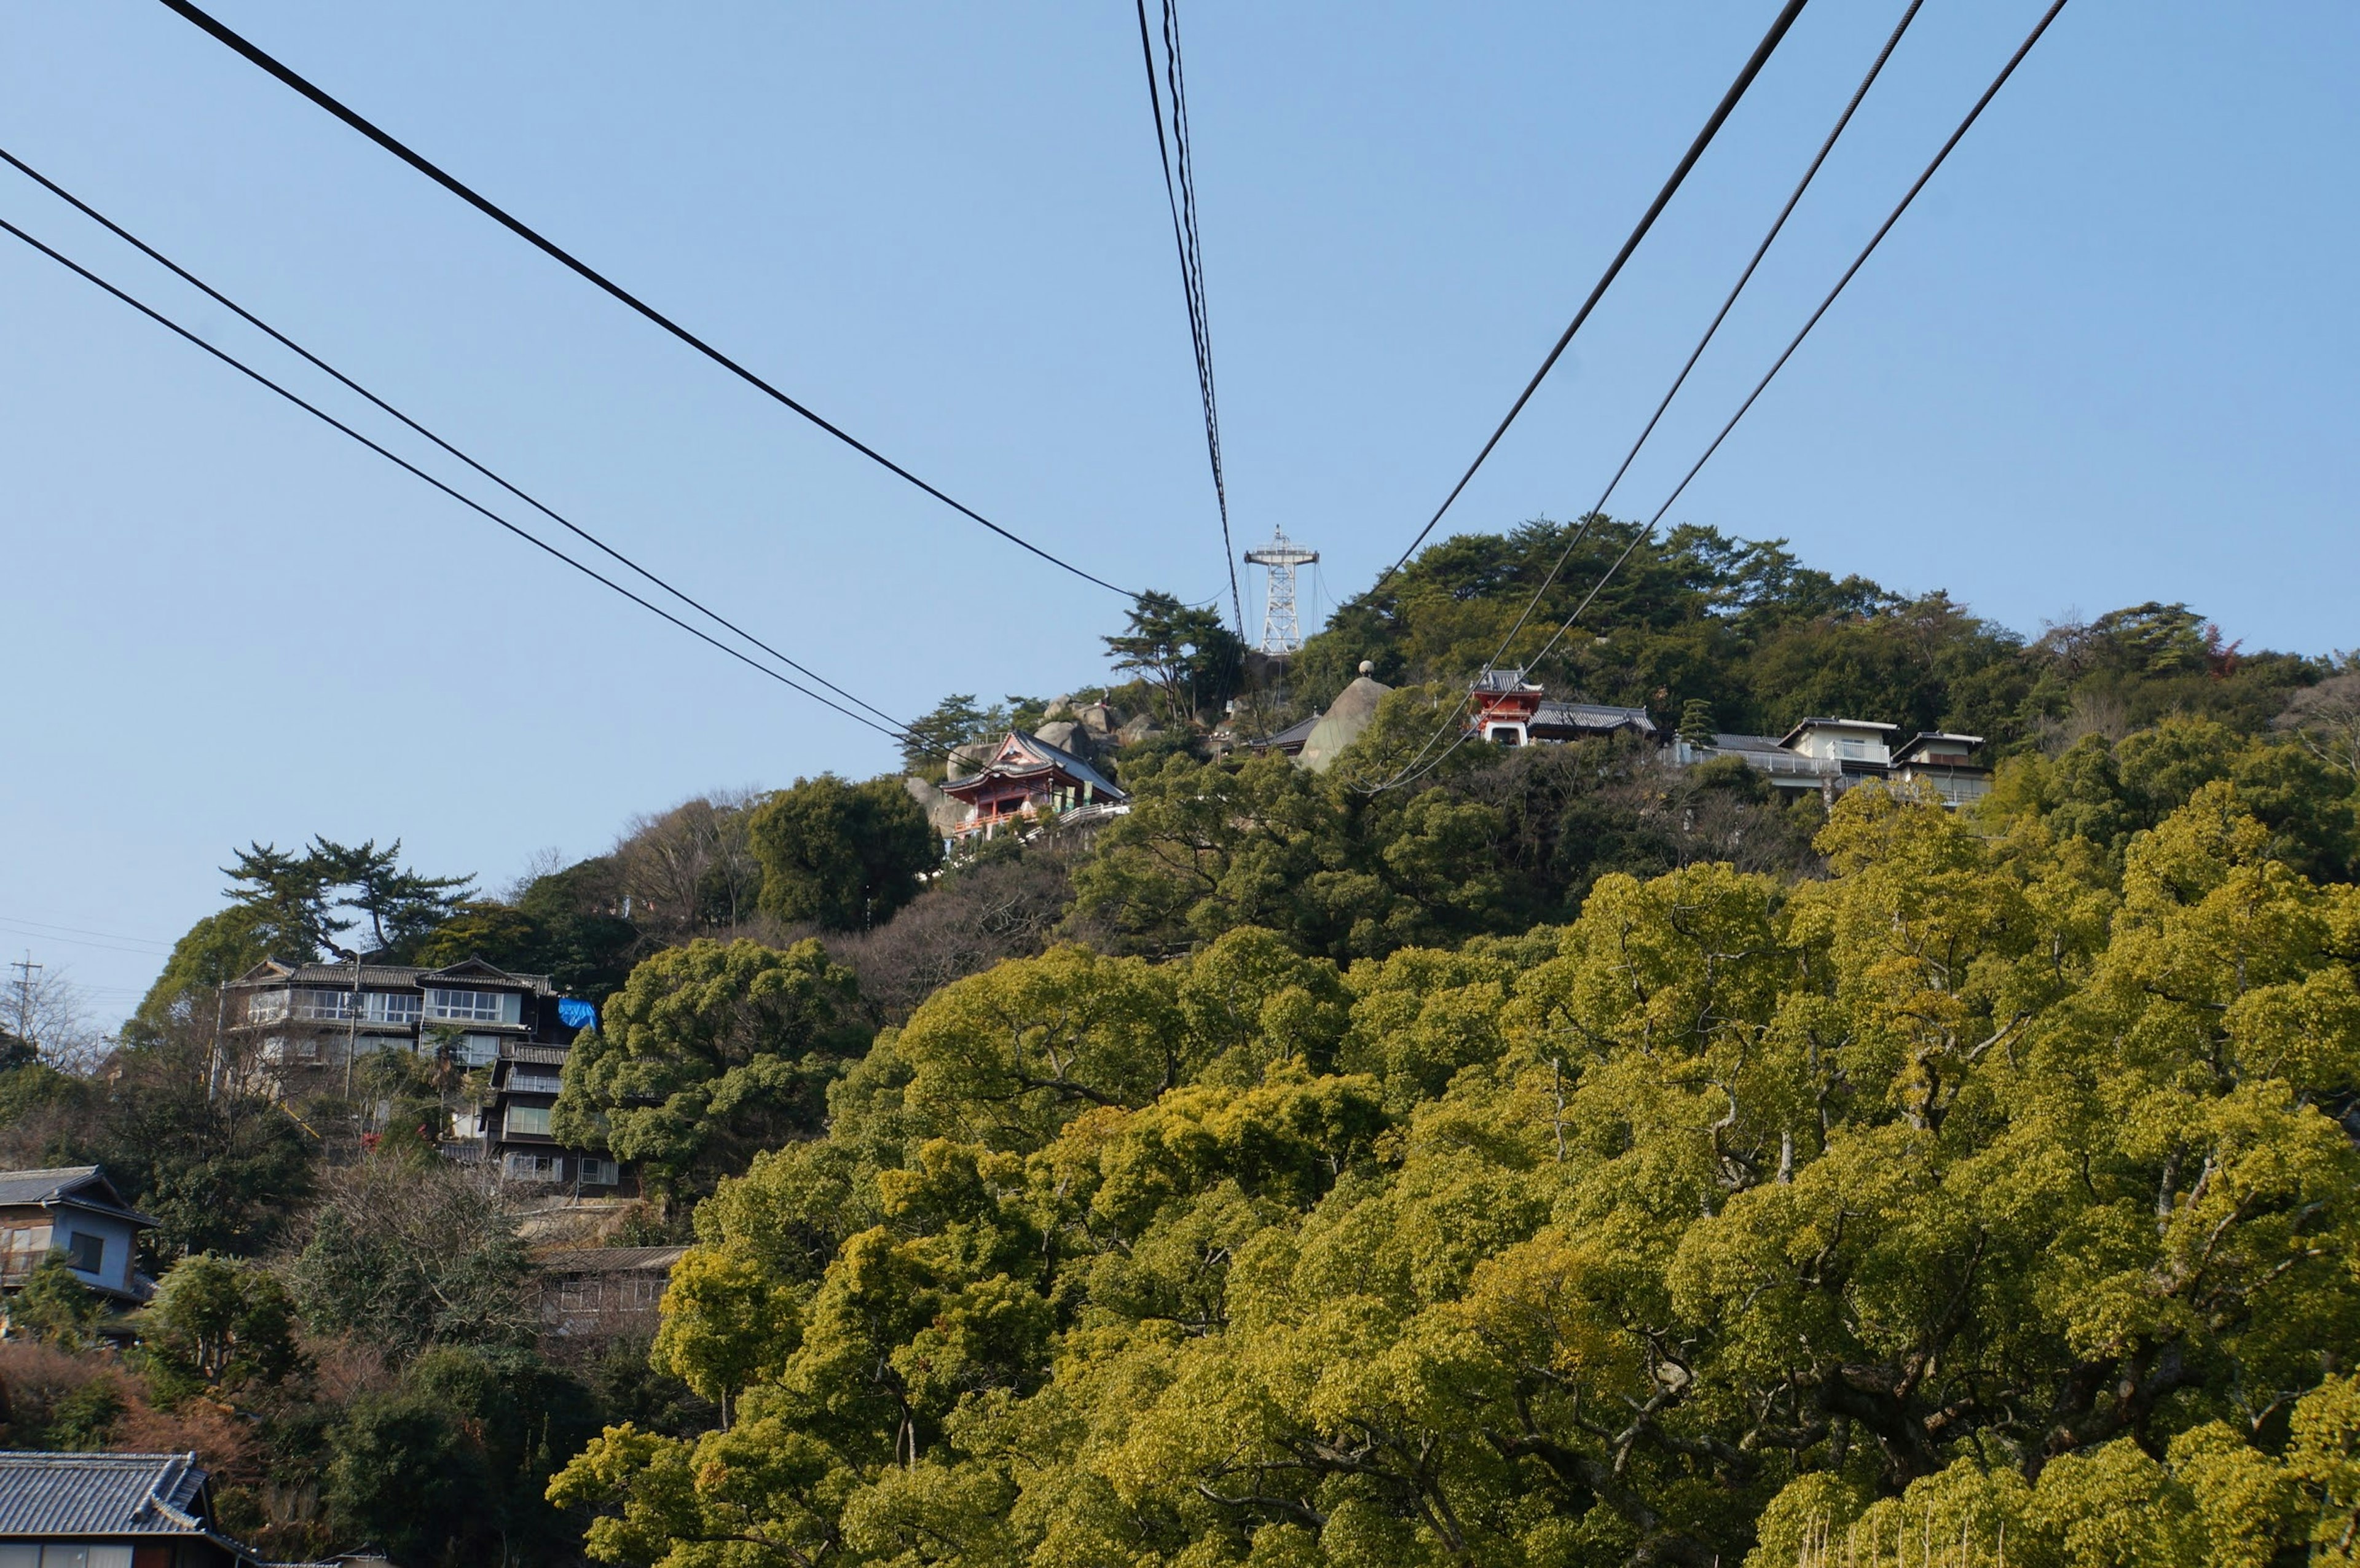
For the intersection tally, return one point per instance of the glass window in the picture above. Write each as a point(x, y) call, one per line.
point(391, 1007)
point(475, 1007)
point(600, 1172)
point(534, 1082)
point(266, 1006)
point(531, 1119)
point(88, 1253)
point(533, 1167)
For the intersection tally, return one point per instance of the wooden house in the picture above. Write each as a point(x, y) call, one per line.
point(72, 1212)
point(1024, 781)
point(112, 1510)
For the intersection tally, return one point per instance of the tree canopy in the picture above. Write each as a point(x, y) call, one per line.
point(1990, 1178)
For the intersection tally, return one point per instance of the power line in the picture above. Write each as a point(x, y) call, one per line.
point(1850, 272)
point(80, 931)
point(566, 259)
point(900, 733)
point(119, 232)
point(1180, 195)
point(1729, 302)
point(1752, 68)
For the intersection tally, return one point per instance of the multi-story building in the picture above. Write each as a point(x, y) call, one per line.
point(312, 1022)
point(1821, 757)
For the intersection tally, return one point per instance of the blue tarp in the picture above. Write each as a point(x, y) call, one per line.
point(576, 1014)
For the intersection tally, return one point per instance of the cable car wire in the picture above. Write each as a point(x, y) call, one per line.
point(1850, 272)
point(566, 259)
point(183, 273)
point(1737, 89)
point(1180, 196)
point(1729, 302)
point(900, 733)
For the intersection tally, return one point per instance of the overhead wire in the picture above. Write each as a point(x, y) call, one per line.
point(1180, 196)
point(119, 232)
point(286, 74)
point(900, 733)
point(1777, 225)
point(1858, 261)
point(1729, 100)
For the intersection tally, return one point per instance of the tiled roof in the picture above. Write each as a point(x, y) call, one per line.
point(100, 1494)
point(1045, 756)
point(1294, 734)
point(389, 976)
point(83, 1186)
point(1591, 716)
point(611, 1260)
point(33, 1186)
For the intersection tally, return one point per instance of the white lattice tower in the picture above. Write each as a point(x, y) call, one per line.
point(1281, 631)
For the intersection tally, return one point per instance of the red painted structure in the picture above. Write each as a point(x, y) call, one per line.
point(1027, 779)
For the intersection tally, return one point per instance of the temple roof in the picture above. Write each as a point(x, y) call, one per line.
point(1021, 754)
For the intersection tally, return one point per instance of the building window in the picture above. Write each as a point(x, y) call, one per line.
point(532, 1120)
point(22, 1248)
point(475, 1007)
point(278, 1048)
point(579, 1295)
point(87, 1253)
point(534, 1167)
point(524, 1082)
point(645, 1292)
point(600, 1172)
point(266, 1006)
point(391, 1007)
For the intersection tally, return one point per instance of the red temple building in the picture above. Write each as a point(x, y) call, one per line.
point(1027, 780)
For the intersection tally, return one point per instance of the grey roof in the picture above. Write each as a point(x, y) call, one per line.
point(1294, 734)
point(611, 1260)
point(100, 1494)
point(1047, 755)
point(1910, 749)
point(1746, 743)
point(79, 1186)
point(1502, 680)
point(1592, 716)
point(1802, 725)
point(390, 976)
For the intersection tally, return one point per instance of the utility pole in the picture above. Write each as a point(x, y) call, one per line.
point(25, 969)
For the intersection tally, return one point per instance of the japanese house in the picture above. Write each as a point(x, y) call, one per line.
point(313, 1021)
point(1026, 781)
point(73, 1212)
point(595, 1293)
point(111, 1510)
point(1512, 711)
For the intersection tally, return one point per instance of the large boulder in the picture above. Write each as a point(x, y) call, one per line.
point(942, 814)
point(1137, 730)
point(1342, 724)
point(1067, 736)
point(969, 759)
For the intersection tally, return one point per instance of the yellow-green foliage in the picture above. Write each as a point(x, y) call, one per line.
point(1985, 1201)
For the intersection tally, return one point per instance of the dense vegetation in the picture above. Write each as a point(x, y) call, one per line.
point(1570, 1158)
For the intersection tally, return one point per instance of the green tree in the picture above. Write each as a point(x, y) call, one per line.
point(224, 1322)
point(710, 1053)
point(1187, 655)
point(407, 1256)
point(844, 855)
point(55, 1307)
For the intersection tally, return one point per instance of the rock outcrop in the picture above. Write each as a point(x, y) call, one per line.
point(1342, 724)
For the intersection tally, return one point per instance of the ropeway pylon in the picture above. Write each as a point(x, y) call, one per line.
point(1282, 632)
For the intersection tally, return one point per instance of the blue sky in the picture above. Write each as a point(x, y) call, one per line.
point(2109, 357)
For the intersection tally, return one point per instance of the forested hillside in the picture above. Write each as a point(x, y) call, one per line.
point(1570, 1158)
